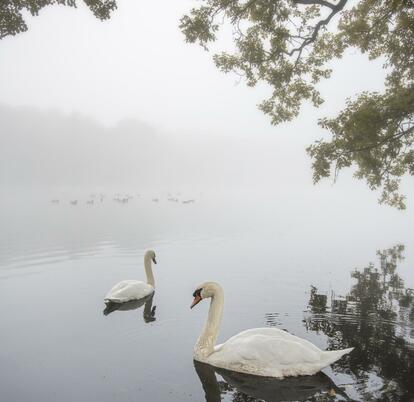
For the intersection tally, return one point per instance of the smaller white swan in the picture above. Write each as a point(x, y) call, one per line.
point(131, 289)
point(268, 352)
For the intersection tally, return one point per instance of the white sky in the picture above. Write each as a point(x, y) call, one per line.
point(137, 65)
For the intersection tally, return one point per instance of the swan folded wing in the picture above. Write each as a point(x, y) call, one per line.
point(129, 290)
point(270, 351)
point(275, 333)
point(267, 353)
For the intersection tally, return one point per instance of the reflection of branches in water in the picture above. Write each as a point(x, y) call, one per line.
point(378, 291)
point(382, 346)
point(237, 396)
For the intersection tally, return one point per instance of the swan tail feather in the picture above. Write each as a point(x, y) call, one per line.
point(332, 356)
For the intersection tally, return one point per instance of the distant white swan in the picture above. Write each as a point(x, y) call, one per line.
point(133, 290)
point(268, 352)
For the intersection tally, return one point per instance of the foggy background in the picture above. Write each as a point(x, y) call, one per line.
point(127, 103)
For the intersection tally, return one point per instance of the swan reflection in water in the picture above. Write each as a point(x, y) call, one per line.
point(149, 310)
point(249, 388)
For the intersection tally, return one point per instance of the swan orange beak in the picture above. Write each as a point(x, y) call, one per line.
point(197, 299)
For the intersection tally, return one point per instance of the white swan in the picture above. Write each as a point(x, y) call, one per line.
point(268, 352)
point(132, 290)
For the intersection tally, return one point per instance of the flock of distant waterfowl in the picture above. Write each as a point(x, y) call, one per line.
point(266, 352)
point(122, 199)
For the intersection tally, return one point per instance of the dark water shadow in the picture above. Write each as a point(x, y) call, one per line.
point(148, 313)
point(250, 388)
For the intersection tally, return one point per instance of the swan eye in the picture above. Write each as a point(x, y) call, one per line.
point(197, 292)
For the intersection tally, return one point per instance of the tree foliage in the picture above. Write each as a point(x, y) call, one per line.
point(11, 12)
point(287, 44)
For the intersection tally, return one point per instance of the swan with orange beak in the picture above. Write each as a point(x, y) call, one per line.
point(268, 352)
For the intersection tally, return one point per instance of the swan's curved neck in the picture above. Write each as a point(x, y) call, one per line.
point(148, 271)
point(207, 340)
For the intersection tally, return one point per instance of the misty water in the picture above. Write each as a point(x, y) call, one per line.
point(282, 261)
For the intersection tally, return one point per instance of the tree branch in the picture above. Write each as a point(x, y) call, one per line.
point(319, 25)
point(238, 16)
point(319, 2)
point(383, 141)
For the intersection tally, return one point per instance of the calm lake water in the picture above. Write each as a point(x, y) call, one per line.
point(282, 261)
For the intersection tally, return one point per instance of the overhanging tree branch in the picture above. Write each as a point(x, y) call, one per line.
point(315, 2)
point(335, 9)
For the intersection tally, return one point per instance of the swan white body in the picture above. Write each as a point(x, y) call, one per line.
point(268, 352)
point(127, 290)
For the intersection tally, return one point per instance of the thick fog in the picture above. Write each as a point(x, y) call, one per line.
point(49, 149)
point(127, 102)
